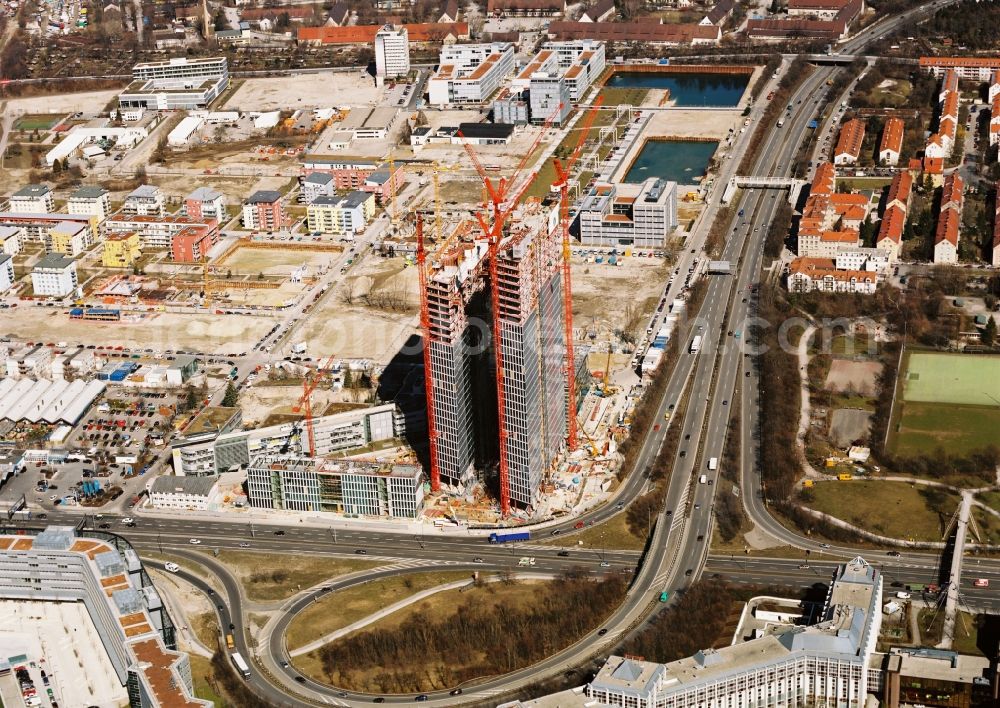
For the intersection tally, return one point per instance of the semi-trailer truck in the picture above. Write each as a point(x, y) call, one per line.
point(510, 536)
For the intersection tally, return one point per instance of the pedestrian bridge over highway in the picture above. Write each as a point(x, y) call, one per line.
point(794, 186)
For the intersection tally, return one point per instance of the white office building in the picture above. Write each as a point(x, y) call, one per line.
point(826, 664)
point(176, 84)
point(470, 73)
point(335, 485)
point(189, 493)
point(548, 98)
point(642, 215)
point(392, 52)
point(54, 276)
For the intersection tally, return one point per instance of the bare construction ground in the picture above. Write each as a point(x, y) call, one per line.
point(231, 334)
point(856, 376)
point(617, 296)
point(306, 91)
point(369, 315)
point(87, 101)
point(692, 124)
point(848, 425)
point(276, 261)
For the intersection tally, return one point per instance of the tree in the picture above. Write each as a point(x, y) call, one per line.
point(56, 167)
point(989, 334)
point(232, 396)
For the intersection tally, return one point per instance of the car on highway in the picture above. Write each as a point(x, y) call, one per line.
point(563, 554)
point(378, 699)
point(824, 545)
point(421, 697)
point(455, 692)
point(605, 564)
point(195, 541)
point(300, 679)
point(128, 520)
point(171, 567)
point(477, 559)
point(361, 551)
point(284, 664)
point(894, 554)
point(104, 526)
point(689, 572)
point(602, 632)
point(279, 532)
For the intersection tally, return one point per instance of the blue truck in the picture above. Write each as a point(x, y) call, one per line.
point(510, 536)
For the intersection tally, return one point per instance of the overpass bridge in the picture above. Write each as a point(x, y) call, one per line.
point(960, 523)
point(794, 186)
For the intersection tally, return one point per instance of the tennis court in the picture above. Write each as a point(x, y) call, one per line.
point(970, 379)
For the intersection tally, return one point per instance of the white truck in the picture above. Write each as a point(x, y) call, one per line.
point(713, 463)
point(299, 348)
point(695, 343)
point(524, 562)
point(703, 479)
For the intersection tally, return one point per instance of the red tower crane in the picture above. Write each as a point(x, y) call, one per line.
point(562, 184)
point(425, 326)
point(309, 384)
point(501, 204)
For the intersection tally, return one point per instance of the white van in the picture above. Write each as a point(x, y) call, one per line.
point(713, 463)
point(171, 567)
point(526, 562)
point(703, 479)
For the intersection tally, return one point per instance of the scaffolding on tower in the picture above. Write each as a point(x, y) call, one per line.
point(501, 200)
point(563, 172)
point(425, 327)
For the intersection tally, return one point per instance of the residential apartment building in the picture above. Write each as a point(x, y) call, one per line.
point(220, 449)
point(949, 225)
point(10, 239)
point(806, 274)
point(103, 574)
point(317, 184)
point(890, 232)
point(177, 84)
point(892, 141)
point(470, 73)
point(32, 199)
point(121, 250)
point(6, 272)
point(36, 226)
point(994, 128)
point(967, 68)
point(54, 276)
point(848, 150)
point(191, 245)
point(69, 239)
point(558, 75)
point(341, 215)
point(90, 201)
point(641, 215)
point(263, 211)
point(335, 485)
point(30, 362)
point(996, 230)
point(160, 232)
point(830, 663)
point(827, 244)
point(941, 143)
point(206, 203)
point(392, 52)
point(145, 200)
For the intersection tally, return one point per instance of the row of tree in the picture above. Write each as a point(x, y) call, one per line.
point(476, 639)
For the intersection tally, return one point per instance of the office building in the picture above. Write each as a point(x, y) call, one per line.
point(217, 448)
point(177, 84)
point(341, 215)
point(10, 239)
point(335, 485)
point(263, 211)
point(511, 108)
point(145, 200)
point(392, 52)
point(641, 215)
point(190, 493)
point(67, 238)
point(32, 199)
point(106, 576)
point(460, 360)
point(206, 203)
point(6, 272)
point(470, 73)
point(90, 201)
point(831, 663)
point(548, 98)
point(54, 276)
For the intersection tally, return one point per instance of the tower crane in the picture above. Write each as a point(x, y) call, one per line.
point(309, 384)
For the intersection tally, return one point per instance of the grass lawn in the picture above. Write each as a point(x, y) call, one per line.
point(340, 609)
point(268, 576)
point(966, 631)
point(923, 427)
point(855, 401)
point(952, 378)
point(201, 672)
point(991, 499)
point(206, 627)
point(895, 509)
point(37, 121)
point(989, 526)
point(613, 533)
point(864, 183)
point(437, 608)
point(850, 345)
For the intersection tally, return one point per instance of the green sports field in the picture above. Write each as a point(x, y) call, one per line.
point(39, 121)
point(924, 427)
point(967, 379)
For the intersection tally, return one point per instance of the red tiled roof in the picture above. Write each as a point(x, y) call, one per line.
point(824, 180)
point(960, 62)
point(899, 189)
point(947, 227)
point(851, 136)
point(634, 32)
point(845, 236)
point(539, 5)
point(893, 221)
point(817, 268)
point(951, 193)
point(933, 165)
point(892, 135)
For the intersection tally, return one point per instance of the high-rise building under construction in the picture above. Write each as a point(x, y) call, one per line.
point(490, 409)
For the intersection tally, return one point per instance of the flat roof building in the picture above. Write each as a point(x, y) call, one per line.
point(642, 215)
point(470, 73)
point(54, 276)
point(392, 52)
point(179, 83)
point(32, 199)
